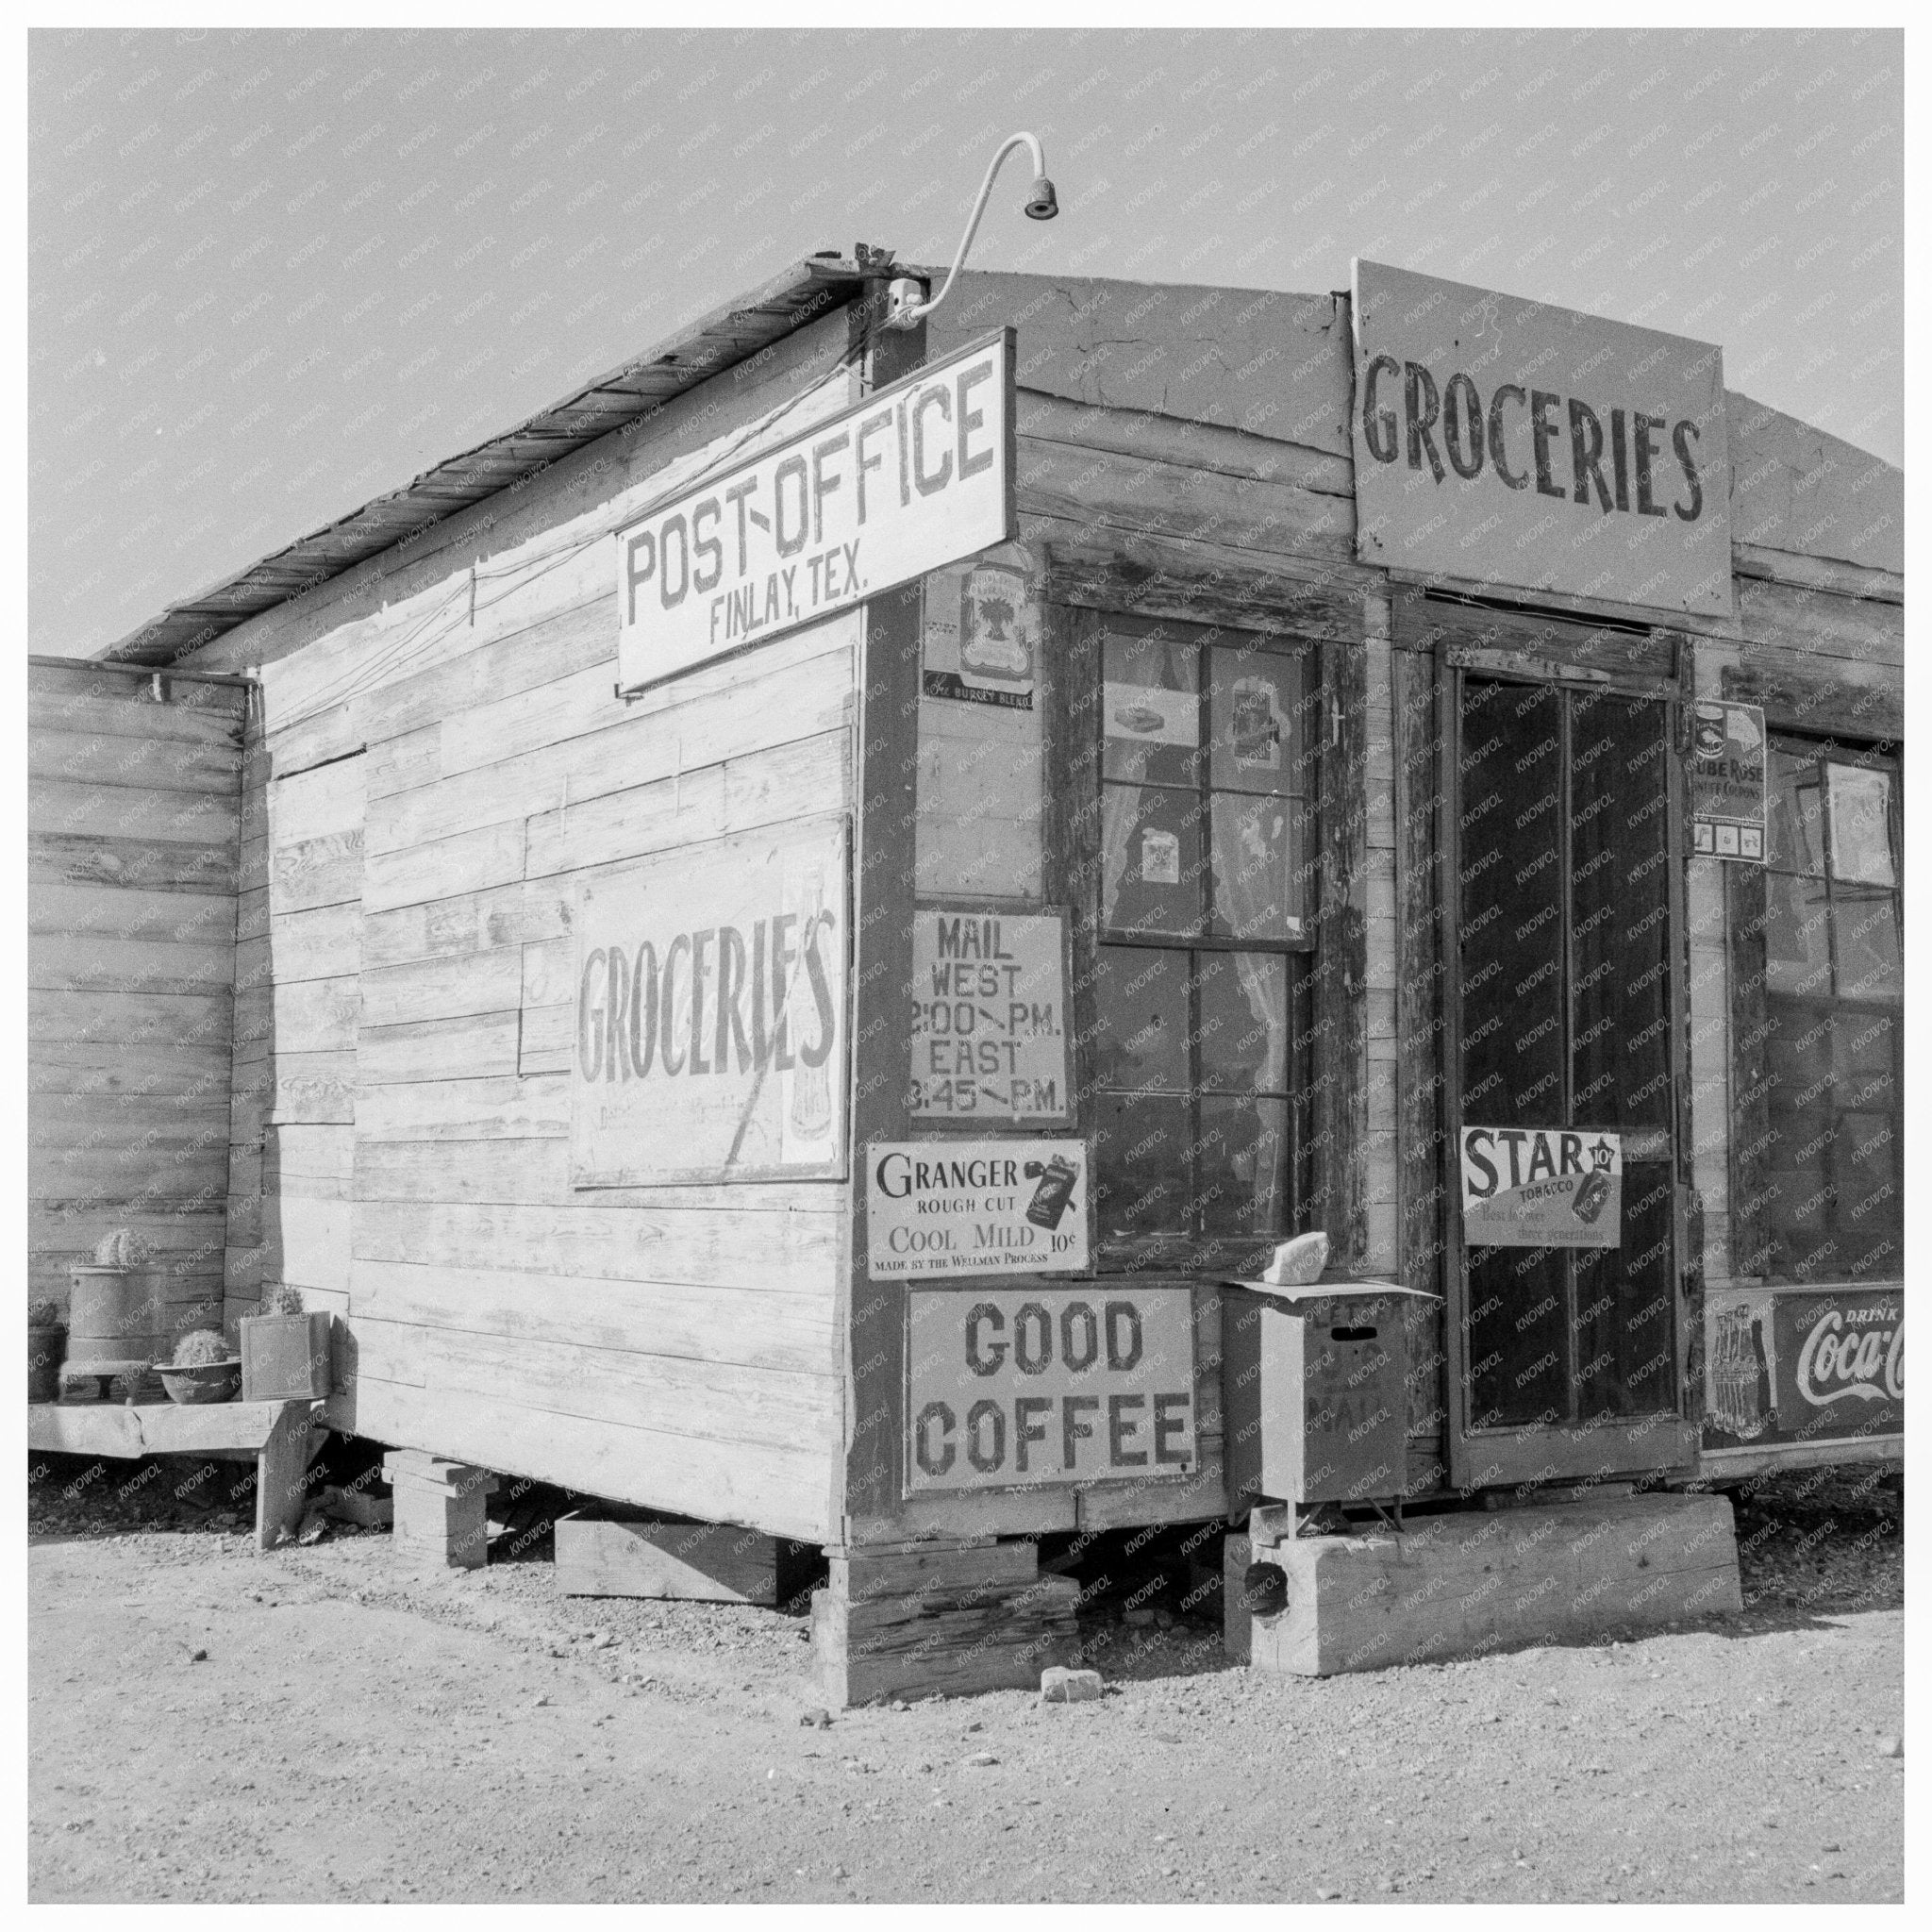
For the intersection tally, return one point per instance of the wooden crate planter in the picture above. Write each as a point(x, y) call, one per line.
point(285, 1357)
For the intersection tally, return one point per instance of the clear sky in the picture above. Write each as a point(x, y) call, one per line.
point(274, 274)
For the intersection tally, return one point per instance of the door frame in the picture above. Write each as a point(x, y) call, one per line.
point(1539, 648)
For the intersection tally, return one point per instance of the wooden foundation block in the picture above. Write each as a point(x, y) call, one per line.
point(1465, 1583)
point(441, 1508)
point(696, 1562)
point(940, 1621)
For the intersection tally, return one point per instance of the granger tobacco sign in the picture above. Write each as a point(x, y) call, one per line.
point(989, 1016)
point(711, 1013)
point(1505, 441)
point(914, 476)
point(1007, 1388)
point(1009, 1206)
point(1541, 1187)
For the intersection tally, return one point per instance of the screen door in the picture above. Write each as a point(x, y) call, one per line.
point(1568, 995)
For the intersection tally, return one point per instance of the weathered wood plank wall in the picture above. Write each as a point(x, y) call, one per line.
point(429, 789)
point(133, 829)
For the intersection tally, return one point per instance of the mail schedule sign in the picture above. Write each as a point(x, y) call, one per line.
point(710, 1041)
point(1011, 1387)
point(913, 478)
point(1504, 442)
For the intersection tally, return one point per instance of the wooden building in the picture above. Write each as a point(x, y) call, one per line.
point(1309, 775)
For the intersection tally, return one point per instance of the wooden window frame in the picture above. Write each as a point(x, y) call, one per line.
point(1754, 1247)
point(1328, 1153)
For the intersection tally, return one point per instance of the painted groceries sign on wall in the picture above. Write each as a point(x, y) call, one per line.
point(913, 478)
point(1508, 443)
point(711, 1013)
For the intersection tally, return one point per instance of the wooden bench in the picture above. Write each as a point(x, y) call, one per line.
point(275, 1433)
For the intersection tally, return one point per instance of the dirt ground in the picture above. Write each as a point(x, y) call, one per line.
point(208, 1723)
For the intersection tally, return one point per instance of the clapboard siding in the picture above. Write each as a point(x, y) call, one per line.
point(297, 1011)
point(777, 1490)
point(749, 1328)
point(793, 1253)
point(411, 980)
point(133, 810)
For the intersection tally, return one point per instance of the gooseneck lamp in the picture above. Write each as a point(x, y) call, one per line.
point(904, 309)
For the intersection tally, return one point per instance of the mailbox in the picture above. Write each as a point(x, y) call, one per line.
point(1314, 1391)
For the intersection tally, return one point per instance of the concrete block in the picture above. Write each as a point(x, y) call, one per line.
point(1060, 1685)
point(440, 1510)
point(1467, 1582)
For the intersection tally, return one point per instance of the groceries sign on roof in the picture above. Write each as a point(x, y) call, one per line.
point(1505, 442)
point(908, 480)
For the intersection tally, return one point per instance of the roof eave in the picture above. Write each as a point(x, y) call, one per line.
point(701, 350)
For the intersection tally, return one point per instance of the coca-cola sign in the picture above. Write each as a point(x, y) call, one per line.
point(1855, 1356)
point(1819, 1367)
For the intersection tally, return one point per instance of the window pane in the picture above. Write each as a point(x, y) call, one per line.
point(1140, 1146)
point(1142, 1001)
point(1866, 1168)
point(1243, 1005)
point(1859, 804)
point(1797, 956)
point(1517, 1340)
point(1512, 914)
point(1259, 878)
point(1620, 885)
point(1865, 926)
point(1864, 1057)
point(1150, 876)
point(1151, 710)
point(1254, 739)
point(1796, 841)
point(1241, 1166)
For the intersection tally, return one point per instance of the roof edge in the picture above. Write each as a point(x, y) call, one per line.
point(628, 394)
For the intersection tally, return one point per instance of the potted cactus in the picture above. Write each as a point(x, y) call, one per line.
point(285, 1353)
point(46, 1343)
point(203, 1369)
point(117, 1311)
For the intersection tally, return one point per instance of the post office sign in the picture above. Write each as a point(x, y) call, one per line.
point(989, 1016)
point(1011, 1388)
point(1541, 1187)
point(912, 478)
point(976, 1208)
point(711, 1013)
point(1504, 442)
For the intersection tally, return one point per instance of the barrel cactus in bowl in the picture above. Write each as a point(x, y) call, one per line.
point(204, 1369)
point(46, 1343)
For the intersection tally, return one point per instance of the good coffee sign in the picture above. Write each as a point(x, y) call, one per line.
point(1010, 1388)
point(1508, 443)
